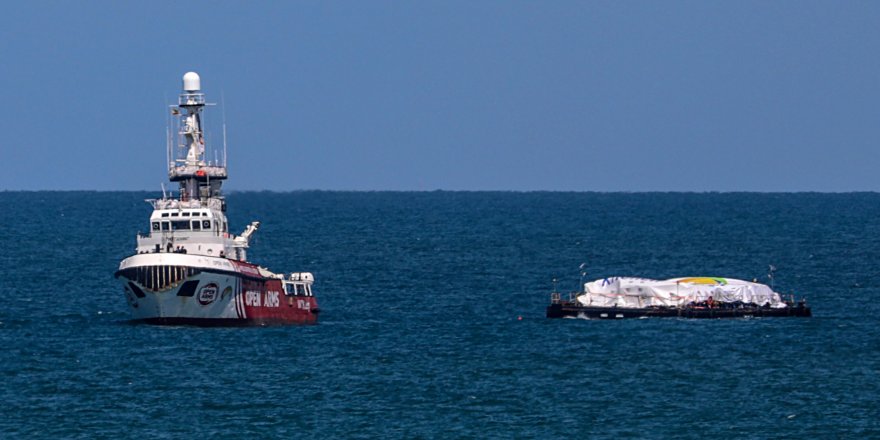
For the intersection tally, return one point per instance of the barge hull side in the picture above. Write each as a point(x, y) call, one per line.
point(574, 311)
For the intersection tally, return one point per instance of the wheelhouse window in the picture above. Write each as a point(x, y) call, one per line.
point(166, 226)
point(296, 289)
point(185, 214)
point(174, 214)
point(164, 214)
point(180, 225)
point(196, 225)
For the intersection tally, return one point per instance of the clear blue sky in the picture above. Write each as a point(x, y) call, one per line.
point(456, 95)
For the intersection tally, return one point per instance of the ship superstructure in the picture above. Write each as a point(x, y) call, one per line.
point(188, 269)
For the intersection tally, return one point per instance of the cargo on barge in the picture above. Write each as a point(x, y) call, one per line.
point(693, 297)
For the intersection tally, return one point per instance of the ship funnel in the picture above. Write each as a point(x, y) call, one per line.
point(192, 82)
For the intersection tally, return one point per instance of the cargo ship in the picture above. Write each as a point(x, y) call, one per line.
point(691, 297)
point(189, 269)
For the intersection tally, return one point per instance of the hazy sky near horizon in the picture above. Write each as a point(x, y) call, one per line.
point(455, 95)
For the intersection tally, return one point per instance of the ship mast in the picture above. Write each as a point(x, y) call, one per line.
point(199, 179)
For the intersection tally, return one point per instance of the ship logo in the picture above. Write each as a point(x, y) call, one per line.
point(208, 294)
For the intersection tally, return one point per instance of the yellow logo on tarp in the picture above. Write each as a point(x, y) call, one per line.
point(704, 280)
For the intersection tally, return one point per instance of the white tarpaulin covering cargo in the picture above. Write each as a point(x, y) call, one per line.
point(642, 292)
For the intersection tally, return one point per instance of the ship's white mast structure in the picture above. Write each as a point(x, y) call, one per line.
point(195, 221)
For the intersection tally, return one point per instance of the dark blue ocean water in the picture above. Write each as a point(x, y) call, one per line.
point(419, 336)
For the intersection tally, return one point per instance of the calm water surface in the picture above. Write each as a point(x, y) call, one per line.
point(419, 335)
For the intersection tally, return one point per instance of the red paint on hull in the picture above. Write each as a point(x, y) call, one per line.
point(265, 301)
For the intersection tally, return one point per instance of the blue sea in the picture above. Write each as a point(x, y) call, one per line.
point(420, 334)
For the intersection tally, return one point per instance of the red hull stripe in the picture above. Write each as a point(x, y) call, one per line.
point(235, 301)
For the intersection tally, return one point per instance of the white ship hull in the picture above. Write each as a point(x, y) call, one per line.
point(185, 289)
point(170, 304)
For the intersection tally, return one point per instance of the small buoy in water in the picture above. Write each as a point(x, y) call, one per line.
point(519, 318)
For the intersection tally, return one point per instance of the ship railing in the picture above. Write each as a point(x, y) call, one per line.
point(215, 203)
point(176, 203)
point(555, 298)
point(215, 171)
point(191, 99)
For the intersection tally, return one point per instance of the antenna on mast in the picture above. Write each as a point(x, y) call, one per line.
point(223, 112)
point(167, 134)
point(168, 146)
point(191, 166)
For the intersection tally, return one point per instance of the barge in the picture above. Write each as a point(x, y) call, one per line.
point(694, 297)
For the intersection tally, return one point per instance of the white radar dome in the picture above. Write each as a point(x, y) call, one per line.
point(192, 82)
